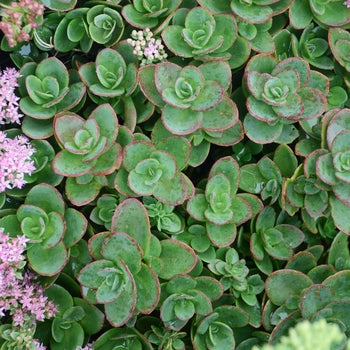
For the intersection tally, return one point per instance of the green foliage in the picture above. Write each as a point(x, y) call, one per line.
point(192, 183)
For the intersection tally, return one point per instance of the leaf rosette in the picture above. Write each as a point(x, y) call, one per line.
point(220, 207)
point(72, 31)
point(46, 88)
point(147, 171)
point(149, 13)
point(257, 11)
point(216, 331)
point(200, 34)
point(184, 297)
point(333, 167)
point(280, 94)
point(109, 75)
point(325, 13)
point(106, 25)
point(50, 228)
point(89, 145)
point(192, 97)
point(74, 320)
point(339, 42)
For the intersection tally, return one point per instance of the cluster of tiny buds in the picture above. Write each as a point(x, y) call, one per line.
point(147, 48)
point(19, 19)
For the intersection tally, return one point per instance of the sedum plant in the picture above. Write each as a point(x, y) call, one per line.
point(88, 146)
point(183, 181)
point(147, 171)
point(309, 335)
point(197, 33)
point(128, 262)
point(105, 24)
point(46, 88)
point(191, 98)
point(332, 165)
point(51, 229)
point(280, 94)
point(149, 14)
point(220, 206)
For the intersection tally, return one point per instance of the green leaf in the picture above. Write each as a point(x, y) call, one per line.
point(262, 132)
point(251, 179)
point(221, 235)
point(177, 257)
point(47, 262)
point(340, 213)
point(281, 284)
point(120, 246)
point(285, 159)
point(131, 217)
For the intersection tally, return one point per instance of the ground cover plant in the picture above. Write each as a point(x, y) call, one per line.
point(174, 174)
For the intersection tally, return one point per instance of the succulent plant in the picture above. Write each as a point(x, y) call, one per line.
point(50, 228)
point(308, 334)
point(312, 45)
point(109, 76)
point(325, 13)
point(105, 24)
point(123, 338)
point(147, 171)
point(339, 42)
point(259, 11)
point(280, 94)
point(75, 319)
point(89, 145)
point(192, 97)
point(273, 240)
point(60, 5)
point(184, 296)
point(103, 212)
point(332, 166)
point(123, 265)
point(217, 330)
point(297, 297)
point(46, 88)
point(220, 206)
point(197, 33)
point(163, 217)
point(72, 31)
point(149, 14)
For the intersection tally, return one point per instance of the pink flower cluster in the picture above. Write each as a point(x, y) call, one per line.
point(20, 297)
point(347, 4)
point(15, 161)
point(19, 19)
point(8, 99)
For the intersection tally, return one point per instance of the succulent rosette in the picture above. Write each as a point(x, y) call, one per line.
point(312, 45)
point(47, 88)
point(220, 207)
point(192, 97)
point(105, 24)
point(197, 33)
point(122, 276)
point(147, 171)
point(333, 166)
point(88, 145)
point(280, 94)
point(325, 13)
point(149, 14)
point(257, 11)
point(72, 31)
point(109, 76)
point(50, 228)
point(339, 42)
